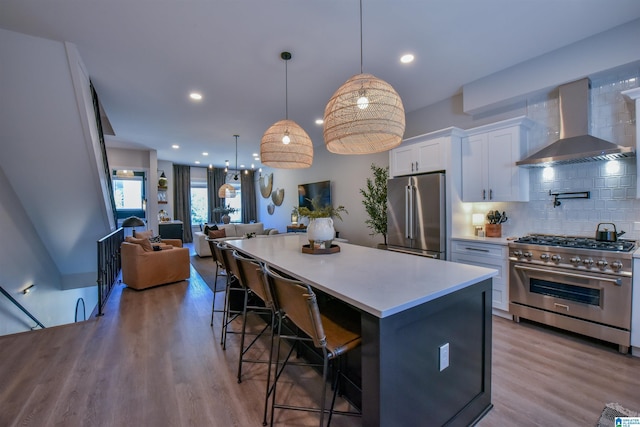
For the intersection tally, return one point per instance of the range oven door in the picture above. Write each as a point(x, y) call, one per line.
point(584, 295)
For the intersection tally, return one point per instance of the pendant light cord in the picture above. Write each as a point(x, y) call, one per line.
point(360, 36)
point(286, 90)
point(236, 136)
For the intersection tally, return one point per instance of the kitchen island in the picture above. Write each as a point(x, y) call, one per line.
point(410, 307)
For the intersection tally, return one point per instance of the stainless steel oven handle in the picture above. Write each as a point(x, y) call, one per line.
point(616, 281)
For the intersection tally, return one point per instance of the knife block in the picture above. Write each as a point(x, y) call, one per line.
point(493, 230)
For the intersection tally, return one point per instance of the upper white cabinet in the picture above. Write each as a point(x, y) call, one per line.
point(489, 156)
point(421, 154)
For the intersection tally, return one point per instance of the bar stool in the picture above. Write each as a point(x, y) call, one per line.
point(225, 254)
point(219, 270)
point(333, 333)
point(252, 280)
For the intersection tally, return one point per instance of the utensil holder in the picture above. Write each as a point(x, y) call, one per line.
point(493, 230)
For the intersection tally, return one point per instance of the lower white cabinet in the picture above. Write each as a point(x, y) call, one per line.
point(490, 255)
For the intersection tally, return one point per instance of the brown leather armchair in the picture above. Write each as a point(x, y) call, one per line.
point(143, 269)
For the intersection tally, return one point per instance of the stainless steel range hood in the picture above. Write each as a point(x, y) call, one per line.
point(576, 145)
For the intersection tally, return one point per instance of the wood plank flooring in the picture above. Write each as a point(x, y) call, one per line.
point(153, 360)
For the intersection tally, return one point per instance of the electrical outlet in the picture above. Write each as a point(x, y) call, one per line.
point(444, 356)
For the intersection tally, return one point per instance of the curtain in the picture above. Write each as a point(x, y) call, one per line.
point(182, 199)
point(248, 189)
point(215, 178)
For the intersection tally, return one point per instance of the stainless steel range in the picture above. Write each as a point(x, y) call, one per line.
point(574, 283)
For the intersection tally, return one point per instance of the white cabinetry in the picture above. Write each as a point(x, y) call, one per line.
point(490, 255)
point(489, 156)
point(418, 155)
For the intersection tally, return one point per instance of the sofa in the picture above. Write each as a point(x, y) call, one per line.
point(148, 263)
point(231, 231)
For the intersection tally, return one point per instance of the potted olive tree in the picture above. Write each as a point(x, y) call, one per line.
point(375, 202)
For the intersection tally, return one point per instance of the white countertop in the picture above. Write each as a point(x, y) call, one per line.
point(379, 282)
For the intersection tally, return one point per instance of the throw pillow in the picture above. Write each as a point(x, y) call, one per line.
point(147, 234)
point(155, 239)
point(217, 234)
point(145, 243)
point(208, 228)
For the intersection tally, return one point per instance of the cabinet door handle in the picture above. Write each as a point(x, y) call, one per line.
point(477, 249)
point(411, 166)
point(416, 166)
point(484, 194)
point(490, 194)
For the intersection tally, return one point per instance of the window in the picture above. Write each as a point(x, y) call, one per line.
point(199, 203)
point(235, 202)
point(129, 194)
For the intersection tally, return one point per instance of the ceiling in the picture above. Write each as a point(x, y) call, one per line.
point(146, 56)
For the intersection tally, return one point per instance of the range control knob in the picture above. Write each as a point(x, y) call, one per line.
point(587, 262)
point(544, 257)
point(575, 260)
point(517, 253)
point(616, 265)
point(528, 255)
point(556, 258)
point(602, 264)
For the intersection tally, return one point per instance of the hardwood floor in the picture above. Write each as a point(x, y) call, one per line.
point(153, 359)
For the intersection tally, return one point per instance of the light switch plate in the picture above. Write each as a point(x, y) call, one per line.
point(444, 356)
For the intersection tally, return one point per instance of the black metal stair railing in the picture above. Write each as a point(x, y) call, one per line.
point(17, 304)
point(103, 149)
point(109, 265)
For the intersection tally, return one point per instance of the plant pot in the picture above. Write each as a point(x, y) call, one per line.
point(320, 231)
point(493, 230)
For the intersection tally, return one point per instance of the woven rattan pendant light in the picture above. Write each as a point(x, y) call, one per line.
point(227, 191)
point(285, 145)
point(364, 116)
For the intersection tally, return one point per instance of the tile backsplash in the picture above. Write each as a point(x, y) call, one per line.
point(612, 184)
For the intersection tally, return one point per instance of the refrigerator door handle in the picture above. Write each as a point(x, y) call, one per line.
point(409, 208)
point(408, 213)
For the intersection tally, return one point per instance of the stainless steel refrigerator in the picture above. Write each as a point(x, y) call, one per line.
point(416, 215)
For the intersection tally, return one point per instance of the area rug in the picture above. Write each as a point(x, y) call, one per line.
point(207, 270)
point(612, 411)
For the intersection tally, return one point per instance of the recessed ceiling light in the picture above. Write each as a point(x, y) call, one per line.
point(204, 153)
point(319, 121)
point(256, 158)
point(175, 146)
point(255, 154)
point(197, 162)
point(405, 59)
point(195, 96)
point(242, 166)
point(210, 166)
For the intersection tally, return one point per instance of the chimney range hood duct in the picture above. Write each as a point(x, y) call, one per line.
point(575, 144)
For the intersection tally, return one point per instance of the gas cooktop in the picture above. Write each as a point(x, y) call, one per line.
point(577, 242)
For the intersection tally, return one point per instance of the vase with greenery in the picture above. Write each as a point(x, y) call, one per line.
point(375, 201)
point(225, 211)
point(320, 231)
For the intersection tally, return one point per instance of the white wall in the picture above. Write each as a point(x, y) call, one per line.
point(347, 174)
point(46, 157)
point(24, 260)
